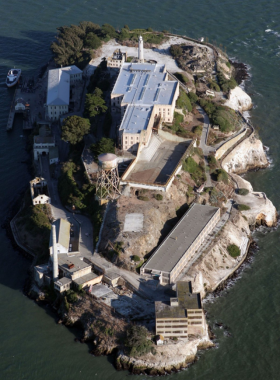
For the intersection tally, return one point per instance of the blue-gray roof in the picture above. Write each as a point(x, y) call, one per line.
point(58, 88)
point(136, 119)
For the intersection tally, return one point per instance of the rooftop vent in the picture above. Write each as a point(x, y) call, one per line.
point(70, 266)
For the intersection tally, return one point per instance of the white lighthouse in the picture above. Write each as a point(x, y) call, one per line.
point(140, 50)
point(55, 260)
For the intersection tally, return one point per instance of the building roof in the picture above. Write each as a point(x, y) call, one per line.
point(53, 152)
point(87, 277)
point(63, 281)
point(62, 228)
point(44, 139)
point(180, 239)
point(136, 119)
point(144, 84)
point(58, 88)
point(186, 300)
point(72, 70)
point(71, 264)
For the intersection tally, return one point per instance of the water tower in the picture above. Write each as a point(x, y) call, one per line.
point(108, 181)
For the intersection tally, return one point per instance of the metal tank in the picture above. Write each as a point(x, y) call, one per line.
point(107, 161)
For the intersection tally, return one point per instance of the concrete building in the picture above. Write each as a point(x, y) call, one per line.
point(184, 317)
point(42, 275)
point(44, 144)
point(142, 95)
point(63, 284)
point(58, 92)
point(171, 256)
point(62, 237)
point(39, 191)
point(117, 59)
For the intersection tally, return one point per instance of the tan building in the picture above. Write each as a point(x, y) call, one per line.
point(184, 317)
point(142, 94)
point(39, 191)
point(117, 59)
point(172, 255)
point(62, 237)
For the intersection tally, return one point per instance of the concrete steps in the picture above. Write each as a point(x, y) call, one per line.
point(148, 152)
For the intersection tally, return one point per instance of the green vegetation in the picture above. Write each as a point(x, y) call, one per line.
point(148, 35)
point(176, 51)
point(221, 175)
point(143, 198)
point(135, 258)
point(213, 85)
point(220, 115)
point(197, 130)
point(233, 250)
point(193, 97)
point(226, 84)
point(182, 78)
point(95, 104)
point(228, 64)
point(74, 128)
point(242, 191)
point(137, 342)
point(242, 207)
point(212, 162)
point(99, 78)
point(75, 44)
point(159, 197)
point(184, 102)
point(189, 193)
point(71, 296)
point(105, 145)
point(196, 171)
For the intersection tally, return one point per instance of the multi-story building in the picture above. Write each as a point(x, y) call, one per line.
point(58, 92)
point(172, 255)
point(39, 191)
point(142, 94)
point(117, 59)
point(184, 317)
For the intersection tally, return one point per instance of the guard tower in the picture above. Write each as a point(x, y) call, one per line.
point(140, 50)
point(108, 181)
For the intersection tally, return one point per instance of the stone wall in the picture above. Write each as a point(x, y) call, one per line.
point(229, 144)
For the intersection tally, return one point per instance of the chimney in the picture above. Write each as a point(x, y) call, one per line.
point(140, 50)
point(55, 261)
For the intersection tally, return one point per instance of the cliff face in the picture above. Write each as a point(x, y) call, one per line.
point(216, 264)
point(239, 100)
point(249, 154)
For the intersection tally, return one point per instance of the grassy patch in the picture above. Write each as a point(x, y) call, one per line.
point(242, 191)
point(233, 250)
point(242, 207)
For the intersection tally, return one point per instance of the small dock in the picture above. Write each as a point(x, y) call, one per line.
point(19, 105)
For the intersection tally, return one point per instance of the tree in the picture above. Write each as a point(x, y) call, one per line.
point(137, 341)
point(176, 50)
point(105, 145)
point(108, 31)
point(74, 128)
point(95, 104)
point(233, 250)
point(183, 101)
point(92, 41)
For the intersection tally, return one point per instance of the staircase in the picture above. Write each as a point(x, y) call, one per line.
point(148, 152)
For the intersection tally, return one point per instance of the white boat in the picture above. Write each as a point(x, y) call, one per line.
point(13, 77)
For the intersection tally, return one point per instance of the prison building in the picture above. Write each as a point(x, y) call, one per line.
point(172, 255)
point(58, 92)
point(142, 94)
point(184, 317)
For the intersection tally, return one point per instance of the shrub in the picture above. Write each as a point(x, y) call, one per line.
point(136, 258)
point(233, 250)
point(137, 342)
point(159, 197)
point(176, 50)
point(242, 207)
point(184, 102)
point(193, 97)
point(143, 198)
point(212, 162)
point(226, 84)
point(182, 78)
point(242, 191)
point(71, 296)
point(197, 130)
point(221, 175)
point(189, 165)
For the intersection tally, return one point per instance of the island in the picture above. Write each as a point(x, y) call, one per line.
point(137, 209)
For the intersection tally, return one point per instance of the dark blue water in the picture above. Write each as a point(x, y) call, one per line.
point(32, 346)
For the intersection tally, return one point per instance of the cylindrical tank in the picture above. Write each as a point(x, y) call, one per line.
point(107, 161)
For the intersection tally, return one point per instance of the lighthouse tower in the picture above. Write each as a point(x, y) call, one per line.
point(140, 50)
point(55, 260)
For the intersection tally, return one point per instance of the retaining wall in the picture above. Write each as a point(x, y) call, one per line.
point(229, 144)
point(171, 137)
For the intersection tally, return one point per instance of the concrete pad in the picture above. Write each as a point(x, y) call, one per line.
point(100, 290)
point(133, 222)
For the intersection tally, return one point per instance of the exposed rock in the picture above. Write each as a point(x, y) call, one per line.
point(239, 100)
point(169, 358)
point(249, 154)
point(262, 210)
point(216, 264)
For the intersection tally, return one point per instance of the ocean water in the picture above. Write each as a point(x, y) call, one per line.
point(32, 345)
